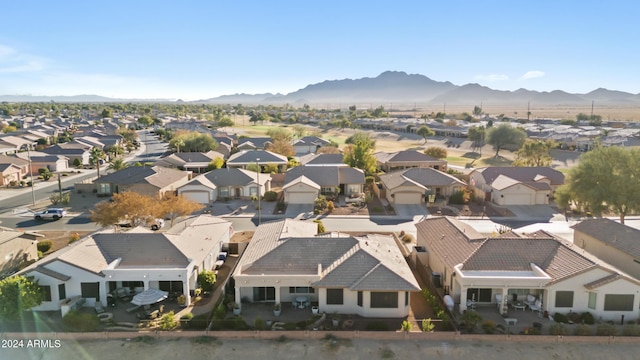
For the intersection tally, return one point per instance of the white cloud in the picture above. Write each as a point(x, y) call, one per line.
point(532, 74)
point(492, 77)
point(12, 61)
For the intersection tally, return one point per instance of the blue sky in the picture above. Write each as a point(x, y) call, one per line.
point(201, 49)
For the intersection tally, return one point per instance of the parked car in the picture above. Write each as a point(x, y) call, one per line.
point(53, 214)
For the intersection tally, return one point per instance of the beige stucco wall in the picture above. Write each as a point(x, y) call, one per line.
point(609, 254)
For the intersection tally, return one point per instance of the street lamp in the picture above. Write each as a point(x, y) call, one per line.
point(259, 208)
point(33, 194)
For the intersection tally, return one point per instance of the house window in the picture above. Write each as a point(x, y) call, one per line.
point(564, 298)
point(62, 292)
point(335, 296)
point(253, 191)
point(360, 298)
point(326, 190)
point(46, 290)
point(615, 302)
point(132, 284)
point(384, 300)
point(592, 300)
point(104, 188)
point(406, 298)
point(224, 192)
point(90, 290)
point(301, 290)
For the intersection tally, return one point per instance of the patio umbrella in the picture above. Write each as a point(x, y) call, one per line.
point(149, 296)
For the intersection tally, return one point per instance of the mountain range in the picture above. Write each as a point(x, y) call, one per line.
point(389, 87)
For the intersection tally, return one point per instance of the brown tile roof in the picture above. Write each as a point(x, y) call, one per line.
point(612, 233)
point(451, 240)
point(602, 281)
point(522, 174)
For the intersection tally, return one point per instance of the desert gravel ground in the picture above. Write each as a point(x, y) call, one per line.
point(182, 348)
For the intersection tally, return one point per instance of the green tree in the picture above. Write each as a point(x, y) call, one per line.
point(253, 167)
point(206, 280)
point(106, 113)
point(279, 133)
point(607, 179)
point(436, 152)
point(225, 121)
point(477, 134)
point(360, 155)
point(425, 131)
point(534, 153)
point(145, 120)
point(282, 147)
point(117, 164)
point(477, 110)
point(95, 157)
point(505, 135)
point(45, 173)
point(18, 294)
point(361, 137)
point(216, 163)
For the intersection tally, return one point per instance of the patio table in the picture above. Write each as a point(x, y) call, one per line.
point(519, 306)
point(301, 300)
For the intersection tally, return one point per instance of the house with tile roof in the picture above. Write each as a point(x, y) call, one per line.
point(243, 158)
point(406, 159)
point(322, 160)
point(12, 168)
point(151, 181)
point(367, 275)
point(254, 143)
point(225, 183)
point(615, 243)
point(42, 160)
point(72, 151)
point(515, 185)
point(309, 144)
point(414, 185)
point(303, 184)
point(476, 269)
point(196, 162)
point(138, 259)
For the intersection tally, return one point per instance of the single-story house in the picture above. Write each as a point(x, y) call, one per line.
point(139, 259)
point(515, 185)
point(150, 181)
point(303, 184)
point(309, 144)
point(405, 159)
point(72, 151)
point(12, 168)
point(322, 160)
point(254, 143)
point(366, 275)
point(14, 143)
point(52, 162)
point(611, 241)
point(17, 248)
point(537, 268)
point(225, 183)
point(197, 162)
point(414, 185)
point(261, 157)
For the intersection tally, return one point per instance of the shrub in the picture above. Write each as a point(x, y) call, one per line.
point(330, 206)
point(77, 162)
point(631, 330)
point(488, 326)
point(582, 330)
point(560, 318)
point(471, 319)
point(207, 280)
point(557, 329)
point(40, 255)
point(408, 238)
point(74, 237)
point(427, 325)
point(320, 203)
point(406, 326)
point(281, 206)
point(258, 323)
point(167, 321)
point(574, 317)
point(321, 228)
point(270, 196)
point(606, 330)
point(187, 316)
point(587, 318)
point(45, 245)
point(81, 322)
point(457, 198)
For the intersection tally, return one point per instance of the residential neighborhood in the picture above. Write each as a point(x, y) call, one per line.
point(304, 241)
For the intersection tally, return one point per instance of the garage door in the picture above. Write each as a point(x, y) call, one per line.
point(201, 197)
point(516, 199)
point(302, 197)
point(407, 198)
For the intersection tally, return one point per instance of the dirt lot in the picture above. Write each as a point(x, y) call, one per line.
point(61, 239)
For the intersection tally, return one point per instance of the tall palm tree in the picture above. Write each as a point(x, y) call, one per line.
point(96, 155)
point(117, 164)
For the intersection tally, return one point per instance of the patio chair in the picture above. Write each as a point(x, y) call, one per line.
point(99, 308)
point(499, 300)
point(537, 306)
point(294, 304)
point(161, 309)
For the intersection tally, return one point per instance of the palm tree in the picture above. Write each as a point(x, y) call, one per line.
point(117, 164)
point(96, 155)
point(179, 142)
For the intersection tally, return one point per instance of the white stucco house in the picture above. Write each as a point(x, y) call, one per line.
point(304, 183)
point(138, 259)
point(367, 276)
point(515, 185)
point(414, 185)
point(516, 268)
point(226, 183)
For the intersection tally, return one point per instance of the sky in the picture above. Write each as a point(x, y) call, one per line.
point(202, 49)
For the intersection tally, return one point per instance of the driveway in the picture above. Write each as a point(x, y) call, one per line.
point(410, 211)
point(540, 213)
point(299, 210)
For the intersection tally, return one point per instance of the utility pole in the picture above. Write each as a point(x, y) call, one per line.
point(592, 101)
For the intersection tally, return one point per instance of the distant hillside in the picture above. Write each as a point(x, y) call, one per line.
point(389, 87)
point(400, 87)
